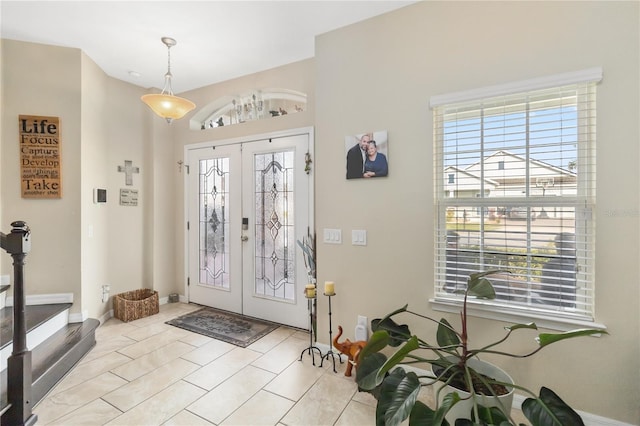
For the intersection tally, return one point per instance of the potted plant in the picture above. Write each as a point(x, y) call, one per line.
point(455, 372)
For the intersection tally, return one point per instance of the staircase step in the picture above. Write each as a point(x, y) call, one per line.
point(55, 357)
point(52, 359)
point(36, 316)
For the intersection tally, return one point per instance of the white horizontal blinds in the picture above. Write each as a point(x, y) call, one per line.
point(514, 190)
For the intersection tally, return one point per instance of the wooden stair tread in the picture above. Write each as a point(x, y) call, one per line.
point(35, 316)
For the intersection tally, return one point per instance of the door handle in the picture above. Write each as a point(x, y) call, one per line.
point(244, 238)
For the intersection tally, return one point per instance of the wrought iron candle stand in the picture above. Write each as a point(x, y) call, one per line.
point(312, 306)
point(330, 352)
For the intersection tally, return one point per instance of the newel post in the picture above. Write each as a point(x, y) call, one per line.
point(18, 243)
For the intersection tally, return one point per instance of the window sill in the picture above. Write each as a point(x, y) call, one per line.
point(543, 319)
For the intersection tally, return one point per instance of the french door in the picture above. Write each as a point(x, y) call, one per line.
point(248, 203)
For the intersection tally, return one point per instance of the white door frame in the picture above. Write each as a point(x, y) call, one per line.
point(309, 131)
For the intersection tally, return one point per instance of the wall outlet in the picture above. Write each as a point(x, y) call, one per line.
point(105, 293)
point(362, 330)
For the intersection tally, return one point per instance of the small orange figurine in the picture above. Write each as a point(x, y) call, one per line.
point(350, 349)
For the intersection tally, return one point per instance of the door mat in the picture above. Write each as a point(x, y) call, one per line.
point(227, 326)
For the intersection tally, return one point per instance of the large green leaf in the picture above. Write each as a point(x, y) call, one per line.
point(530, 325)
point(398, 394)
point(545, 339)
point(395, 359)
point(481, 288)
point(490, 415)
point(550, 410)
point(367, 371)
point(422, 415)
point(399, 333)
point(378, 341)
point(445, 334)
point(448, 401)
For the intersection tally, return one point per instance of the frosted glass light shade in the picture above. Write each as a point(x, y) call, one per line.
point(168, 106)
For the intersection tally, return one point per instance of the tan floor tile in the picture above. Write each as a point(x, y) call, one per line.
point(161, 407)
point(323, 404)
point(105, 346)
point(89, 370)
point(133, 393)
point(146, 363)
point(220, 369)
point(298, 378)
point(142, 333)
point(63, 403)
point(365, 398)
point(185, 418)
point(247, 386)
point(357, 413)
point(151, 343)
point(264, 408)
point(271, 340)
point(96, 413)
point(210, 351)
point(301, 334)
point(114, 327)
point(220, 402)
point(281, 356)
point(195, 339)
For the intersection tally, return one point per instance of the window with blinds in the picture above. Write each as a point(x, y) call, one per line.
point(515, 190)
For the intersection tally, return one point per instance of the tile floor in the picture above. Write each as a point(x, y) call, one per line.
point(146, 372)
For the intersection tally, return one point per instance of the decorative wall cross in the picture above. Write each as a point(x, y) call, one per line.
point(128, 169)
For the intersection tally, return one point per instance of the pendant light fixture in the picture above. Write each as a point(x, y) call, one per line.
point(165, 104)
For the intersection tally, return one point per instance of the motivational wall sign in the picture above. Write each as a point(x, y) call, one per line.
point(40, 156)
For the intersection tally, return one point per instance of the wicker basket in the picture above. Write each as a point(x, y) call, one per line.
point(135, 304)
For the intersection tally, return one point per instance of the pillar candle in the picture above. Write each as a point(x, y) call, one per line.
point(310, 291)
point(329, 288)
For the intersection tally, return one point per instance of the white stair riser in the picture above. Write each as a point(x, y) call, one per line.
point(37, 335)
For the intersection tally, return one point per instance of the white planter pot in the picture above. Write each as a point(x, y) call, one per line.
point(463, 408)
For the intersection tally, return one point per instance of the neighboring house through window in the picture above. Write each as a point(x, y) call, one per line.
point(522, 199)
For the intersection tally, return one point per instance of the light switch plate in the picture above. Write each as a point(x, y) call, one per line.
point(359, 237)
point(332, 236)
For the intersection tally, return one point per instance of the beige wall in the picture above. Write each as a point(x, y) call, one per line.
point(375, 75)
point(380, 74)
point(94, 149)
point(44, 80)
point(78, 246)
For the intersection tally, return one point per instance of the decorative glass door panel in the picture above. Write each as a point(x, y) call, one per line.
point(214, 222)
point(275, 244)
point(214, 234)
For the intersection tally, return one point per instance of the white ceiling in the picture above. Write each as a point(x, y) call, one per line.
point(216, 40)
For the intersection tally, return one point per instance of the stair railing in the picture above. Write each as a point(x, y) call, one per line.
point(19, 379)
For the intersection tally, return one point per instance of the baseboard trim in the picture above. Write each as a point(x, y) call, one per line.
point(78, 317)
point(44, 299)
point(106, 316)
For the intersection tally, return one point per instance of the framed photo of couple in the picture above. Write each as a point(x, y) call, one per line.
point(367, 155)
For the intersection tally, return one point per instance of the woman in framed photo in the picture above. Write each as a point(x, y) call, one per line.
point(375, 164)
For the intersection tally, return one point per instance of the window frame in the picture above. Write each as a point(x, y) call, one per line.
point(583, 202)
